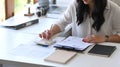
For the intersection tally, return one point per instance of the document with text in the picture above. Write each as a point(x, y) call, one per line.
point(73, 42)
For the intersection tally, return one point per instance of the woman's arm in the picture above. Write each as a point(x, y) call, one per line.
point(100, 39)
point(114, 38)
point(61, 24)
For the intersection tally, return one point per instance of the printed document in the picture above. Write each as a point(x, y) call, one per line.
point(73, 42)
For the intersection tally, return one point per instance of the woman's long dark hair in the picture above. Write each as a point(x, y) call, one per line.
point(97, 13)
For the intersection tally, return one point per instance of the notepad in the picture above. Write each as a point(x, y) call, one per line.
point(60, 56)
point(102, 50)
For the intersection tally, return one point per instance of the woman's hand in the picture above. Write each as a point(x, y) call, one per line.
point(94, 39)
point(47, 34)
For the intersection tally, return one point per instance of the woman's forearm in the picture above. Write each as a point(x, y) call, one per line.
point(55, 29)
point(114, 38)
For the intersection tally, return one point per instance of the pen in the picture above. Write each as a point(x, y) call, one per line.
point(51, 27)
point(51, 30)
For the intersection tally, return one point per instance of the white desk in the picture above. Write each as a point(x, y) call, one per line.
point(9, 39)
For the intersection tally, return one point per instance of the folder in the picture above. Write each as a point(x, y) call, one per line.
point(20, 25)
point(60, 56)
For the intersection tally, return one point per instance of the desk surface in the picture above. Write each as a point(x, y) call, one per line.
point(10, 39)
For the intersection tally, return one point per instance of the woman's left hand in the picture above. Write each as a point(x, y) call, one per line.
point(94, 39)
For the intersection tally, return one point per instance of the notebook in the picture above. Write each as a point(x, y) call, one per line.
point(60, 56)
point(103, 50)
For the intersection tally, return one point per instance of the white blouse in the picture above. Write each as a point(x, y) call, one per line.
point(110, 26)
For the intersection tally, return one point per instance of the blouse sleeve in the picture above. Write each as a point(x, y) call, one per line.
point(116, 21)
point(67, 16)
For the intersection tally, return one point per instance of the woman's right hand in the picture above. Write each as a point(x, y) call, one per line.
point(47, 34)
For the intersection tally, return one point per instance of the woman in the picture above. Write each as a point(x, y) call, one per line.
point(96, 21)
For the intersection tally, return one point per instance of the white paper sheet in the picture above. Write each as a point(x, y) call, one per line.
point(31, 51)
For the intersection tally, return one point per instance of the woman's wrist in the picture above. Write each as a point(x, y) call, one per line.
point(106, 38)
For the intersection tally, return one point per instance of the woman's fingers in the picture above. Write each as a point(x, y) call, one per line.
point(40, 35)
point(46, 34)
point(43, 35)
point(89, 39)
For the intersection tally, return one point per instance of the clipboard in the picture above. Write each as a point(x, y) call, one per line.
point(73, 43)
